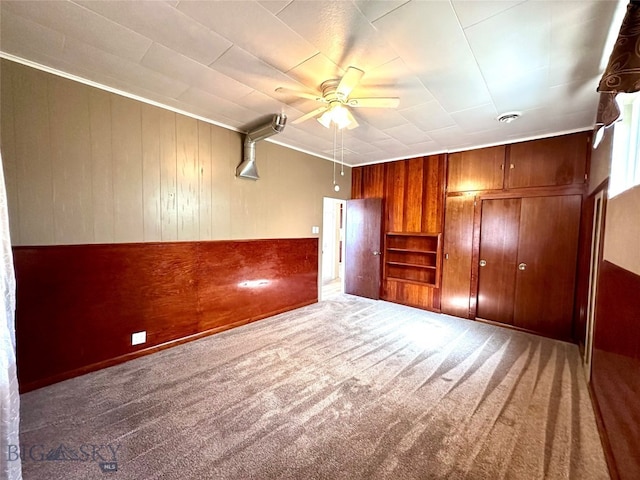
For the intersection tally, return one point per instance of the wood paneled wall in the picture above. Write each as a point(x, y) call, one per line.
point(413, 201)
point(86, 166)
point(615, 376)
point(77, 306)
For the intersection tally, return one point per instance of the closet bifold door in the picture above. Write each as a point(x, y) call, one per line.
point(500, 225)
point(547, 255)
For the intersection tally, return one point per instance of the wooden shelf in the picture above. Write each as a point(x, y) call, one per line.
point(411, 265)
point(410, 250)
point(412, 258)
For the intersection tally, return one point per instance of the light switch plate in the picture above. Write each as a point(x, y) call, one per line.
point(315, 229)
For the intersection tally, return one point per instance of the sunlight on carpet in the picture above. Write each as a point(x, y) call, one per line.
point(347, 388)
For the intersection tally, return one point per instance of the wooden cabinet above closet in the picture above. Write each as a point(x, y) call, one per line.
point(481, 169)
point(548, 162)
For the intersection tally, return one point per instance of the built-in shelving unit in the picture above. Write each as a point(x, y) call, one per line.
point(412, 258)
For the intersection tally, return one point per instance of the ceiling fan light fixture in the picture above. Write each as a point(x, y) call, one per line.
point(325, 119)
point(338, 115)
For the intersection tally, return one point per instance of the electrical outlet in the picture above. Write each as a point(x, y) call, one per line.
point(138, 338)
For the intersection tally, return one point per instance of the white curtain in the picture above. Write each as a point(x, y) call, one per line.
point(10, 467)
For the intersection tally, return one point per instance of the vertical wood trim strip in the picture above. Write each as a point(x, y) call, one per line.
point(188, 177)
point(205, 181)
point(102, 201)
point(151, 142)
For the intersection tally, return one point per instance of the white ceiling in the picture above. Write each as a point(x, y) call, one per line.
point(455, 65)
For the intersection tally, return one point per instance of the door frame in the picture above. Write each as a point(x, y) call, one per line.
point(595, 257)
point(337, 227)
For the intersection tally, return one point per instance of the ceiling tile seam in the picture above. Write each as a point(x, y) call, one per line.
point(491, 16)
point(318, 52)
point(280, 11)
point(383, 15)
point(284, 25)
point(118, 25)
point(475, 60)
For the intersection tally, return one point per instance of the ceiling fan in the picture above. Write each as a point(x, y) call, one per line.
point(335, 96)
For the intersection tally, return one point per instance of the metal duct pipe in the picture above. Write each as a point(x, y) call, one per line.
point(248, 169)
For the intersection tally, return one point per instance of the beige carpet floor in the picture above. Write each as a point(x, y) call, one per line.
point(348, 388)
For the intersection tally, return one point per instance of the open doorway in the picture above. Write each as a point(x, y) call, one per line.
point(333, 212)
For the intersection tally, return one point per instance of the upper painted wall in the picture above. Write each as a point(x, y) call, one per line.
point(86, 166)
point(622, 230)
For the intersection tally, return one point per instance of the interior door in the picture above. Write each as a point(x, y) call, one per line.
point(458, 249)
point(499, 233)
point(363, 239)
point(547, 255)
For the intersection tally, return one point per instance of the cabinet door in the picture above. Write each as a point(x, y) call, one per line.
point(500, 226)
point(457, 249)
point(481, 169)
point(547, 251)
point(548, 162)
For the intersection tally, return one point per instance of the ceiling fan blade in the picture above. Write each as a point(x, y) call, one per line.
point(374, 102)
point(297, 93)
point(349, 81)
point(309, 115)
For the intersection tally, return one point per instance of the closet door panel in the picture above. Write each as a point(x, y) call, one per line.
point(457, 248)
point(498, 248)
point(547, 251)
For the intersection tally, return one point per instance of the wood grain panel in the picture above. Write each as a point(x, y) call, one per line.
point(188, 177)
point(205, 186)
point(8, 149)
point(499, 249)
point(373, 178)
point(616, 362)
point(127, 169)
point(77, 306)
point(356, 183)
point(548, 245)
point(413, 197)
point(433, 193)
point(151, 168)
point(396, 177)
point(223, 169)
point(168, 176)
point(457, 249)
point(33, 155)
point(550, 161)
point(481, 169)
point(71, 155)
point(102, 200)
point(420, 296)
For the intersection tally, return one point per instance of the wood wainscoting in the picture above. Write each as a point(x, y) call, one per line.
point(78, 305)
point(615, 369)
